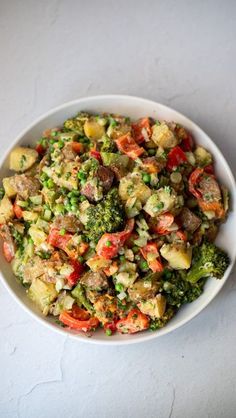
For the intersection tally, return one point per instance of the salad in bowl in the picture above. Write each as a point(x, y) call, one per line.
point(110, 222)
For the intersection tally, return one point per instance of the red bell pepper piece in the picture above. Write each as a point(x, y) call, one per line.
point(209, 169)
point(18, 211)
point(134, 322)
point(77, 324)
point(194, 180)
point(40, 149)
point(77, 147)
point(58, 240)
point(151, 255)
point(127, 145)
point(109, 244)
point(76, 274)
point(8, 251)
point(96, 154)
point(110, 326)
point(163, 223)
point(181, 235)
point(138, 130)
point(175, 157)
point(187, 143)
point(79, 313)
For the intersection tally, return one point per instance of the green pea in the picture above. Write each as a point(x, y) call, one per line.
point(68, 207)
point(151, 151)
point(81, 175)
point(108, 332)
point(143, 265)
point(61, 143)
point(74, 200)
point(146, 178)
point(50, 184)
point(73, 193)
point(119, 287)
point(74, 208)
point(108, 243)
point(82, 198)
point(62, 231)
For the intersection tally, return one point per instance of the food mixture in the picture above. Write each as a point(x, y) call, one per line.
point(111, 223)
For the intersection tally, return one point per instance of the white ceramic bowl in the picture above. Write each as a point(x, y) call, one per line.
point(133, 107)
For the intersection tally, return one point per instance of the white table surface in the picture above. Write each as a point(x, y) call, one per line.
point(183, 55)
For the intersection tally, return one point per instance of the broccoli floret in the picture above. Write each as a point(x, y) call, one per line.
point(106, 216)
point(208, 261)
point(76, 124)
point(108, 145)
point(179, 291)
point(161, 322)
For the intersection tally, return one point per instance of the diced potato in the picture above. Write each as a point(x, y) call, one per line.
point(133, 186)
point(163, 136)
point(83, 212)
point(179, 256)
point(21, 184)
point(64, 302)
point(62, 179)
point(126, 279)
point(161, 201)
point(29, 216)
point(144, 288)
point(105, 308)
point(132, 207)
point(93, 130)
point(37, 235)
point(9, 186)
point(43, 294)
point(154, 307)
point(203, 157)
point(97, 263)
point(6, 210)
point(120, 129)
point(22, 158)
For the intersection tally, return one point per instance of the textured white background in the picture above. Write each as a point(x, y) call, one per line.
point(182, 54)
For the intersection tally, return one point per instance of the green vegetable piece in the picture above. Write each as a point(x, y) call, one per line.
point(47, 215)
point(119, 287)
point(59, 209)
point(50, 184)
point(109, 158)
point(106, 216)
point(78, 293)
point(146, 178)
point(108, 145)
point(209, 261)
point(2, 192)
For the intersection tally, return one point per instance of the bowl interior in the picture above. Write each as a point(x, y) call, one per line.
point(134, 108)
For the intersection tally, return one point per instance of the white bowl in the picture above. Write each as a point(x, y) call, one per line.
point(133, 107)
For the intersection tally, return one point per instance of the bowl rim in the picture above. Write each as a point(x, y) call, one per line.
point(136, 338)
